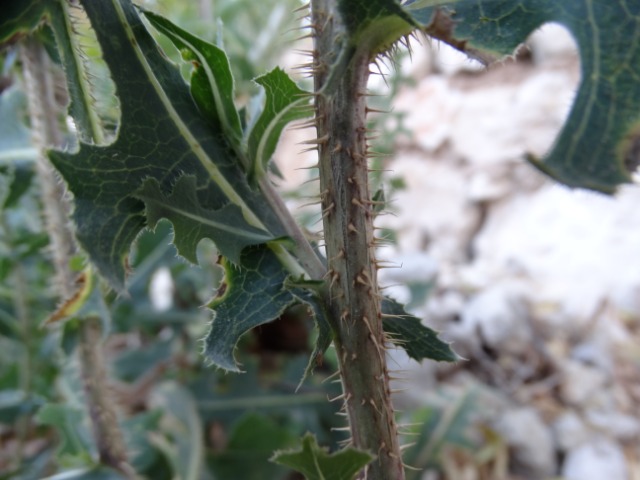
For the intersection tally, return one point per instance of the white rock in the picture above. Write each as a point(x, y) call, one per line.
point(497, 317)
point(429, 110)
point(598, 460)
point(530, 439)
point(411, 266)
point(576, 245)
point(615, 424)
point(483, 127)
point(581, 384)
point(432, 214)
point(552, 43)
point(570, 430)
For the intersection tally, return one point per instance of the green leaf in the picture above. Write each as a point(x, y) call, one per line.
point(225, 226)
point(420, 342)
point(162, 136)
point(16, 403)
point(136, 432)
point(450, 422)
point(254, 294)
point(598, 145)
point(285, 102)
point(257, 291)
point(251, 443)
point(212, 84)
point(20, 17)
point(372, 27)
point(316, 464)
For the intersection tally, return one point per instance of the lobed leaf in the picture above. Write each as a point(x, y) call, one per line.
point(316, 464)
point(162, 136)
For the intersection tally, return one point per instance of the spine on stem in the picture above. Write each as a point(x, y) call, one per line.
point(348, 212)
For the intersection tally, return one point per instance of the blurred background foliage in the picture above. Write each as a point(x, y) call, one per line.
point(182, 419)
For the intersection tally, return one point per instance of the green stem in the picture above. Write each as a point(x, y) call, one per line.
point(43, 113)
point(348, 230)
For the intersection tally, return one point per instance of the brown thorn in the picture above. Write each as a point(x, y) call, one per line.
point(316, 141)
point(306, 6)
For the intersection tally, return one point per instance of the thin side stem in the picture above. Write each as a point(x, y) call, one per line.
point(348, 226)
point(43, 113)
point(302, 249)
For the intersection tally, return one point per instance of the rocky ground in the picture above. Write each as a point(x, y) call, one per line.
point(538, 286)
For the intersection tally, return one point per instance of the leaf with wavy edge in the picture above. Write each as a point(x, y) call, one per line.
point(254, 295)
point(258, 291)
point(161, 136)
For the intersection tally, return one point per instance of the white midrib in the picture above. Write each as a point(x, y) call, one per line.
point(288, 261)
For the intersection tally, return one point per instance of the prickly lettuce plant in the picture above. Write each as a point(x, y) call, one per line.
point(187, 154)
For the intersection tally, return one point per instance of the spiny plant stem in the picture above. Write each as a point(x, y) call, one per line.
point(43, 113)
point(348, 229)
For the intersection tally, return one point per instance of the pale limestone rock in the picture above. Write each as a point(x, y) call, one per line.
point(599, 459)
point(570, 431)
point(530, 440)
point(581, 385)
